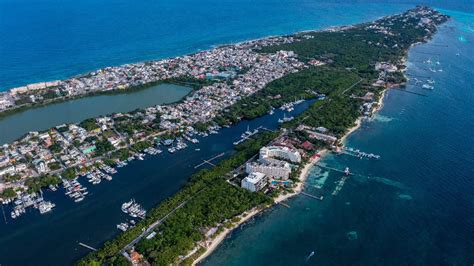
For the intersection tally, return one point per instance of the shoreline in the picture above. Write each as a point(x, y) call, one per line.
point(209, 48)
point(22, 108)
point(130, 90)
point(215, 242)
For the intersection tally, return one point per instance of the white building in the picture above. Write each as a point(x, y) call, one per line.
point(254, 181)
point(279, 152)
point(277, 171)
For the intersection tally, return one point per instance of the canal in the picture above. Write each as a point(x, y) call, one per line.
point(52, 239)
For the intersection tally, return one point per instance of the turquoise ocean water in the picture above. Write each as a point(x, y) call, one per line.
point(412, 207)
point(54, 39)
point(415, 206)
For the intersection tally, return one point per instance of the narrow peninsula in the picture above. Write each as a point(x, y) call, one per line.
point(342, 71)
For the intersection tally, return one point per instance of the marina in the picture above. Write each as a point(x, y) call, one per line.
point(247, 135)
point(134, 179)
point(133, 209)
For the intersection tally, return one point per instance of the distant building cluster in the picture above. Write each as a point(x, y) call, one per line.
point(221, 62)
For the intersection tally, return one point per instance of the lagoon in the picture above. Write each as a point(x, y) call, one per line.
point(41, 118)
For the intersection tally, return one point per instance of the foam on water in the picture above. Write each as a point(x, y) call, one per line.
point(352, 235)
point(318, 177)
point(381, 118)
point(405, 197)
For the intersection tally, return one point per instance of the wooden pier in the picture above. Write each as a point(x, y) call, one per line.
point(284, 204)
point(357, 153)
point(209, 161)
point(4, 216)
point(332, 169)
point(312, 196)
point(420, 52)
point(411, 92)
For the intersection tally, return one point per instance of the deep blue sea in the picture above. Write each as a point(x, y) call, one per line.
point(45, 40)
point(414, 206)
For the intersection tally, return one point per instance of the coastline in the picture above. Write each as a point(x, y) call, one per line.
point(217, 240)
point(299, 186)
point(21, 108)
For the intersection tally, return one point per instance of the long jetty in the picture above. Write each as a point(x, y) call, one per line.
point(412, 92)
point(332, 169)
point(312, 196)
point(4, 216)
point(87, 246)
point(208, 161)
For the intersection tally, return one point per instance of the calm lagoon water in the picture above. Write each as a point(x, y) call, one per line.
point(44, 117)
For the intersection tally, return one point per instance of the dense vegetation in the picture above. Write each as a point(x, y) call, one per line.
point(305, 84)
point(350, 58)
point(36, 183)
point(206, 192)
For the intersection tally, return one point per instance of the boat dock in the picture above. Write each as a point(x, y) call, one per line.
point(4, 216)
point(284, 204)
point(87, 246)
point(248, 134)
point(418, 76)
point(412, 92)
point(312, 196)
point(357, 153)
point(208, 161)
point(333, 169)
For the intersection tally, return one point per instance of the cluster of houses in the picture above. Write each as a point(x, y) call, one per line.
point(220, 62)
point(73, 145)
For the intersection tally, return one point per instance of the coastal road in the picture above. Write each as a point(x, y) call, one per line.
point(352, 86)
point(153, 226)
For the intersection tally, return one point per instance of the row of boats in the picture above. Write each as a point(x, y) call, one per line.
point(126, 225)
point(75, 190)
point(285, 119)
point(360, 154)
point(95, 177)
point(153, 151)
point(429, 85)
point(180, 145)
point(133, 209)
point(247, 134)
point(290, 106)
point(34, 200)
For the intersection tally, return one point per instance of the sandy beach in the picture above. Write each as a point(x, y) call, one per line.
point(299, 187)
point(220, 237)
